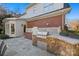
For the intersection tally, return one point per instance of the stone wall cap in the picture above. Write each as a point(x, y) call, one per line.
point(66, 39)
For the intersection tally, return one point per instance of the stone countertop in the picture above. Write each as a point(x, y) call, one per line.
point(66, 39)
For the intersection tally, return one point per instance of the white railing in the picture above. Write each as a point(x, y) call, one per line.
point(51, 30)
point(28, 29)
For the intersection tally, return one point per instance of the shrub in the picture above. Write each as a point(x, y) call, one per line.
point(65, 28)
point(73, 32)
point(3, 36)
point(64, 33)
point(70, 33)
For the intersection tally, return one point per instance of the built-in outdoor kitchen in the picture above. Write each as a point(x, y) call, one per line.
point(56, 44)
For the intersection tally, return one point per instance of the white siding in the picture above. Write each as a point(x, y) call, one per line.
point(42, 8)
point(7, 28)
point(19, 27)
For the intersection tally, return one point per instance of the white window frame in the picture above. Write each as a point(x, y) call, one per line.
point(13, 28)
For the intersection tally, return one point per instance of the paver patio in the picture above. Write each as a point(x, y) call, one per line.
point(23, 47)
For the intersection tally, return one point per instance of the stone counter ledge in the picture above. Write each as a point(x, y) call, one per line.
point(66, 39)
point(60, 45)
point(63, 46)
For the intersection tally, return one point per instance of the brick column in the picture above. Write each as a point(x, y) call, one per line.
point(63, 21)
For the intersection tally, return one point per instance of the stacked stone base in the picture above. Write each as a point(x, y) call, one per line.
point(58, 47)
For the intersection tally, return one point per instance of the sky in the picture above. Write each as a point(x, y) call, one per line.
point(21, 7)
point(74, 13)
point(16, 7)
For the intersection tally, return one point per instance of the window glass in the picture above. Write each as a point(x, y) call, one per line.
point(48, 7)
point(12, 29)
point(35, 11)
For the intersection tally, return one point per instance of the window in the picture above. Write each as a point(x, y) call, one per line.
point(34, 10)
point(48, 6)
point(12, 29)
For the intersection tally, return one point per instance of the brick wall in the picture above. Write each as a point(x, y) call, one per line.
point(28, 35)
point(55, 21)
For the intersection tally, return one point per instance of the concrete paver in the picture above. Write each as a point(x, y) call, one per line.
point(23, 47)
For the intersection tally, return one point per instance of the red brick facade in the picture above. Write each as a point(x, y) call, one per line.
point(28, 35)
point(55, 21)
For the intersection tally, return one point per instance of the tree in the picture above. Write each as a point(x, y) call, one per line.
point(3, 15)
point(6, 13)
point(75, 25)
